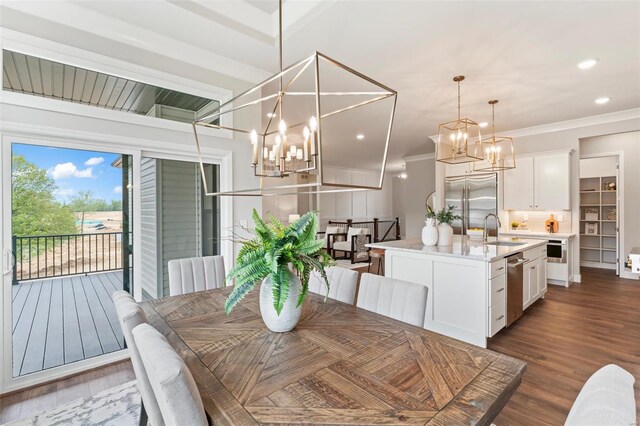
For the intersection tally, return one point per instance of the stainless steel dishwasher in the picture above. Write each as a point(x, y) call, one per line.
point(515, 281)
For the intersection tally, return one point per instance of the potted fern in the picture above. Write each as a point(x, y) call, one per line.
point(272, 256)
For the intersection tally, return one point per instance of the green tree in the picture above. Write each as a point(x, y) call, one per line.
point(81, 203)
point(35, 210)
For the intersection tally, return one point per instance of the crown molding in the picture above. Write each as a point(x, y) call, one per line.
point(420, 157)
point(577, 123)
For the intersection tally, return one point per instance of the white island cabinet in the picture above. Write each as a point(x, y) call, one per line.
point(467, 297)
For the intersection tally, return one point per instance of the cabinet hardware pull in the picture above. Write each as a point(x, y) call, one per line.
point(500, 317)
point(501, 268)
point(533, 267)
point(498, 291)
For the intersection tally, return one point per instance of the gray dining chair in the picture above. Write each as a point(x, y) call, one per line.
point(400, 300)
point(195, 274)
point(172, 383)
point(131, 315)
point(342, 284)
point(607, 398)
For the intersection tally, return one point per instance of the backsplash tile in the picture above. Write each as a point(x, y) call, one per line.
point(538, 218)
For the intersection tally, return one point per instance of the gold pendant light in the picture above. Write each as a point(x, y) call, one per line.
point(459, 140)
point(498, 151)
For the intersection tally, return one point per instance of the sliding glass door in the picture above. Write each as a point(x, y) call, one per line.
point(67, 239)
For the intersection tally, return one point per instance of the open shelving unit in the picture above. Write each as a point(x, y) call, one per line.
point(598, 222)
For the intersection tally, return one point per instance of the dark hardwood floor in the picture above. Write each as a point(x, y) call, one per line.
point(567, 337)
point(564, 339)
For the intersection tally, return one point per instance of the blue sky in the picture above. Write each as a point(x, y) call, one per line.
point(75, 170)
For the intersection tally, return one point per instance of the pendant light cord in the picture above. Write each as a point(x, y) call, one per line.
point(280, 53)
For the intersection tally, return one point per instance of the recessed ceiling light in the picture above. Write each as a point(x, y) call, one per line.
point(587, 63)
point(359, 136)
point(483, 124)
point(602, 101)
point(271, 114)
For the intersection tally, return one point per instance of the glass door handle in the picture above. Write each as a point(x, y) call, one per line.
point(9, 258)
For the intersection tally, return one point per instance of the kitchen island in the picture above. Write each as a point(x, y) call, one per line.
point(467, 281)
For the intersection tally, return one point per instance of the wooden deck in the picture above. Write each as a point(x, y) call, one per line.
point(61, 320)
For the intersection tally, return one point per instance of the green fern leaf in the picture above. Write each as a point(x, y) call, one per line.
point(237, 294)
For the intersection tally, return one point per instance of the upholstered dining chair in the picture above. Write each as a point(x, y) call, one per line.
point(400, 300)
point(607, 398)
point(342, 284)
point(131, 315)
point(171, 381)
point(195, 274)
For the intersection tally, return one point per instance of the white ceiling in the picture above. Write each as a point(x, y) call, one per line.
point(522, 53)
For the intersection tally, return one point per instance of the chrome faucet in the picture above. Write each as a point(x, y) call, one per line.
point(485, 234)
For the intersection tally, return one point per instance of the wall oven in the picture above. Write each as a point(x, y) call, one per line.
point(557, 251)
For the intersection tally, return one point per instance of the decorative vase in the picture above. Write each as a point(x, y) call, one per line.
point(430, 233)
point(445, 234)
point(290, 314)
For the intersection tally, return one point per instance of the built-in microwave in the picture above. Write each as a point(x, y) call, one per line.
point(557, 251)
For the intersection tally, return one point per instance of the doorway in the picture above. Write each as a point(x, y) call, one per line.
point(67, 218)
point(600, 204)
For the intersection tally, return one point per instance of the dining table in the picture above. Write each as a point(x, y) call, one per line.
point(339, 365)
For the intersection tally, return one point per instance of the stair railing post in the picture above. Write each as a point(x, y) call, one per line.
point(375, 229)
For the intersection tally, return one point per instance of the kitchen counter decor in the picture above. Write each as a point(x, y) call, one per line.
point(430, 232)
point(445, 218)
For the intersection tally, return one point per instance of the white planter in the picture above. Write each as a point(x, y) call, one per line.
point(290, 314)
point(445, 235)
point(430, 233)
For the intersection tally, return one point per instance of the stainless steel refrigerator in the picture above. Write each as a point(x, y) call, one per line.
point(473, 197)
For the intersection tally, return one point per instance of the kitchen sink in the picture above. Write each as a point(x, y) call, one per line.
point(504, 243)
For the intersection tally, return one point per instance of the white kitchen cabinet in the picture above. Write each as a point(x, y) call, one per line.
point(518, 185)
point(535, 281)
point(542, 277)
point(526, 286)
point(551, 185)
point(539, 182)
point(457, 169)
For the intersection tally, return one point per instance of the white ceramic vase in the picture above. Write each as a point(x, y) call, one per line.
point(445, 234)
point(290, 314)
point(430, 233)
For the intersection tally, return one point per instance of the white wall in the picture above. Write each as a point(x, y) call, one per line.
point(420, 183)
point(355, 205)
point(629, 144)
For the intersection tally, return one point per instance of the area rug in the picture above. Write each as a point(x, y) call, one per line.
point(116, 406)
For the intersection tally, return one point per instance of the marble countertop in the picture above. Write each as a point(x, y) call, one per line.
point(538, 234)
point(462, 248)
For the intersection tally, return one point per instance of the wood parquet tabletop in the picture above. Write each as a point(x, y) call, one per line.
point(340, 365)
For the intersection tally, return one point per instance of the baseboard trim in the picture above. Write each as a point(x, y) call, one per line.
point(629, 275)
point(577, 278)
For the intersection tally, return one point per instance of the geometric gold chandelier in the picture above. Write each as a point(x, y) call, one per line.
point(498, 151)
point(459, 141)
point(303, 119)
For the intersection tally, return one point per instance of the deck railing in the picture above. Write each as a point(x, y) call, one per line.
point(380, 229)
point(45, 256)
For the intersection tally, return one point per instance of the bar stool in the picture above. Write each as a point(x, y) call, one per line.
point(378, 254)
